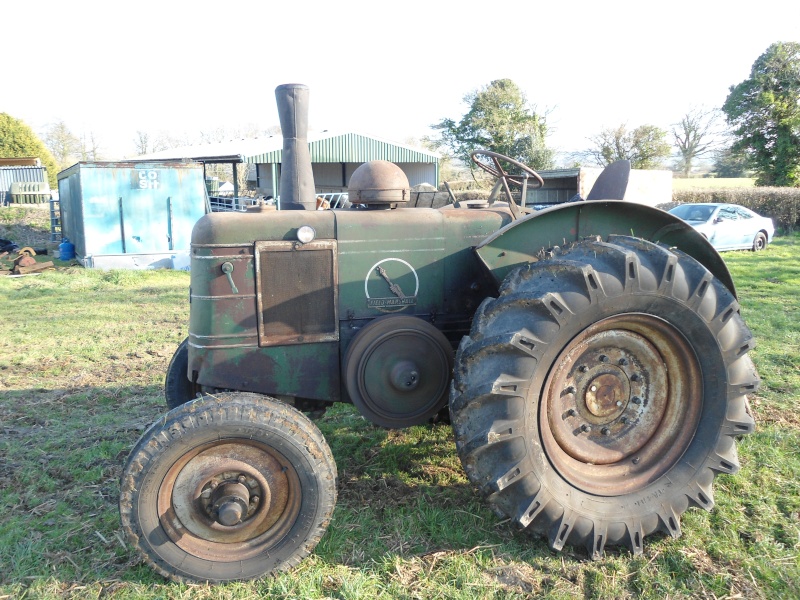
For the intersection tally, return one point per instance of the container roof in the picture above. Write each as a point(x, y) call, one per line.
point(324, 147)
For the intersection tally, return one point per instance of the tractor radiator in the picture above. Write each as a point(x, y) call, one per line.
point(296, 292)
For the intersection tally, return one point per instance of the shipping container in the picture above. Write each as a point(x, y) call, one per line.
point(131, 215)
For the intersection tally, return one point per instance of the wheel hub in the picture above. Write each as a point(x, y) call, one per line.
point(231, 502)
point(621, 403)
point(229, 494)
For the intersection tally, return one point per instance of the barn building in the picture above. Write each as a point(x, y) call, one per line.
point(334, 157)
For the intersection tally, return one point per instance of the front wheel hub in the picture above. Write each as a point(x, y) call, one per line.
point(230, 502)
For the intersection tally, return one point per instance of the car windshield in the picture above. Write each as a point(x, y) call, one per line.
point(693, 212)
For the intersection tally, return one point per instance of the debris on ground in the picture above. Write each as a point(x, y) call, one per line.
point(23, 263)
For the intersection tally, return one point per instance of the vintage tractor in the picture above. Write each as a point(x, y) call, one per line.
point(592, 358)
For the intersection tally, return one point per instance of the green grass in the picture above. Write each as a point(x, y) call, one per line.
point(82, 360)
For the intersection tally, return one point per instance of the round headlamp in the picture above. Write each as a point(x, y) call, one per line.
point(306, 234)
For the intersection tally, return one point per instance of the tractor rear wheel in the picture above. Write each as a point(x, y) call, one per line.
point(228, 487)
point(597, 397)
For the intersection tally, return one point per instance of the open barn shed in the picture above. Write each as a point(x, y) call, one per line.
point(334, 157)
point(651, 187)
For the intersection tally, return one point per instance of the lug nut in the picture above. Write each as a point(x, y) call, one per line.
point(603, 358)
point(623, 361)
point(241, 479)
point(570, 390)
point(636, 400)
point(583, 368)
point(254, 500)
point(635, 377)
point(572, 412)
point(623, 420)
point(605, 431)
point(586, 428)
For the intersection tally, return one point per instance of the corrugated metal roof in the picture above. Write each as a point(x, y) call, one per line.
point(324, 147)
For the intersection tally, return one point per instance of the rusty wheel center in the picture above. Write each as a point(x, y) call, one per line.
point(226, 497)
point(607, 395)
point(621, 403)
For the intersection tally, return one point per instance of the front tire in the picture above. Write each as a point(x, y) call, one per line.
point(595, 400)
point(228, 487)
point(760, 242)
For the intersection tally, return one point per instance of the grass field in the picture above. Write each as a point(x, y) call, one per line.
point(711, 182)
point(82, 360)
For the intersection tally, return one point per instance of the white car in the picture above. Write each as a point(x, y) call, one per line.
point(728, 226)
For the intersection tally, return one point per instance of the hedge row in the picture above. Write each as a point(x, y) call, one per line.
point(780, 204)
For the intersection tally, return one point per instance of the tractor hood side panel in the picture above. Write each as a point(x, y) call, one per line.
point(225, 349)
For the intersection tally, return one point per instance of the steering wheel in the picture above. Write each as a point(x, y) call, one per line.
point(494, 168)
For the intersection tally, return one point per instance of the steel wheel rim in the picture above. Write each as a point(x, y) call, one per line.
point(621, 404)
point(187, 495)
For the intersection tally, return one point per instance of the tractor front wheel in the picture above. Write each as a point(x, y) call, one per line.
point(228, 487)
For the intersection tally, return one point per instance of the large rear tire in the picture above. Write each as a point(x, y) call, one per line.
point(597, 397)
point(228, 487)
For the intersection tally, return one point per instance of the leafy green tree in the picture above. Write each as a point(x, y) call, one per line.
point(764, 109)
point(17, 140)
point(500, 120)
point(695, 136)
point(646, 146)
point(728, 163)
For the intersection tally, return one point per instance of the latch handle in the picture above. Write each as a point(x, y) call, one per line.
point(227, 268)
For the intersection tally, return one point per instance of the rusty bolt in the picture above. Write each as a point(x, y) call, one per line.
point(635, 377)
point(583, 368)
point(603, 358)
point(570, 390)
point(636, 460)
point(586, 428)
point(572, 412)
point(636, 400)
point(605, 431)
point(254, 499)
point(623, 361)
point(623, 420)
point(241, 479)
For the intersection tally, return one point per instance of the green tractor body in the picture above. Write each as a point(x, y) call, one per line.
point(591, 357)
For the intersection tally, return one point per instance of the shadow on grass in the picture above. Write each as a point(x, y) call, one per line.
point(402, 494)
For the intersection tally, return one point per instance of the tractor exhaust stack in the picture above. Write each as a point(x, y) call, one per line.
point(297, 190)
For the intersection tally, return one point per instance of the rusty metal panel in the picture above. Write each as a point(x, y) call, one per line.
point(297, 292)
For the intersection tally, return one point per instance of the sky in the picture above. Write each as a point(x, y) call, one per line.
point(386, 69)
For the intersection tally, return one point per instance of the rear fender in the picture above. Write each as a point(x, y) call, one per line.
point(528, 239)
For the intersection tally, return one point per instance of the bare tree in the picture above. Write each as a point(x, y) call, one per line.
point(62, 143)
point(696, 135)
point(141, 143)
point(644, 146)
point(89, 147)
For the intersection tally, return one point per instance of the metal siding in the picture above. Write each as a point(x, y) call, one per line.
point(418, 173)
point(9, 175)
point(351, 147)
point(327, 175)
